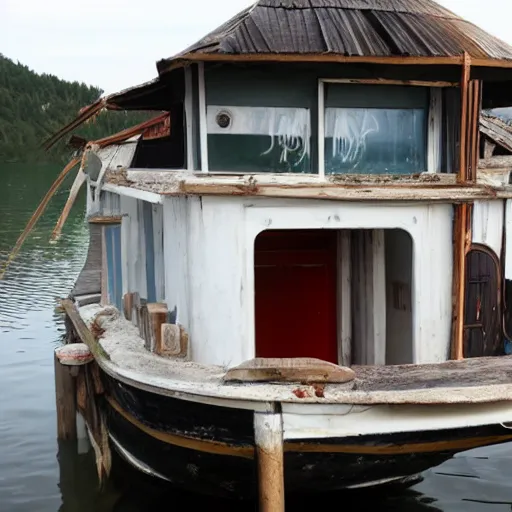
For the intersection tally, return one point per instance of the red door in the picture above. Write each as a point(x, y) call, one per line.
point(295, 285)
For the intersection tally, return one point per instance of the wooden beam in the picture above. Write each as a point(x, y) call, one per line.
point(268, 436)
point(383, 81)
point(157, 316)
point(466, 72)
point(459, 279)
point(312, 57)
point(105, 219)
point(299, 370)
point(83, 332)
point(65, 401)
point(496, 162)
point(497, 131)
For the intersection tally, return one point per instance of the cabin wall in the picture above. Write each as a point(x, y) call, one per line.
point(399, 283)
point(141, 241)
point(209, 276)
point(240, 90)
point(488, 218)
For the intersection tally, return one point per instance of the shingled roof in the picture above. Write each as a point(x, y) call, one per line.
point(384, 28)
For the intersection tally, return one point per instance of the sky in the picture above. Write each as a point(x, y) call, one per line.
point(114, 44)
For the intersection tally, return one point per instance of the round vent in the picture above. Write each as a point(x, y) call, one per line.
point(223, 119)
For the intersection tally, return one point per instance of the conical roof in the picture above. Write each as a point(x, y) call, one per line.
point(358, 28)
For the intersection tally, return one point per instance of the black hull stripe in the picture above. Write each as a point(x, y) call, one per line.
point(193, 443)
point(247, 451)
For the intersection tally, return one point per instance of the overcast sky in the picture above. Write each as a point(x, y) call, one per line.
point(115, 44)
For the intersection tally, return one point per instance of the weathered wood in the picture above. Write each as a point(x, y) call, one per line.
point(65, 401)
point(84, 300)
point(89, 279)
point(319, 57)
point(496, 162)
point(143, 323)
point(425, 187)
point(477, 371)
point(173, 341)
point(136, 309)
point(157, 316)
point(83, 332)
point(128, 306)
point(464, 86)
point(268, 437)
point(105, 219)
point(384, 81)
point(497, 131)
point(489, 148)
point(305, 370)
point(461, 233)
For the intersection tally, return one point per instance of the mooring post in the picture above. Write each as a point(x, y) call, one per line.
point(268, 434)
point(65, 400)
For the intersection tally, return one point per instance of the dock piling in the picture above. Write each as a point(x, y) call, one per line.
point(268, 431)
point(65, 400)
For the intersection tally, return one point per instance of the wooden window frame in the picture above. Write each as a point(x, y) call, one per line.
point(434, 117)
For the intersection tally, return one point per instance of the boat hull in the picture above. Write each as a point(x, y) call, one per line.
point(210, 449)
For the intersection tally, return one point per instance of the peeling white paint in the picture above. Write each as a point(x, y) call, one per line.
point(488, 224)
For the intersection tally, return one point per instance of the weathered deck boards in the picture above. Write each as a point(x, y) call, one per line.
point(484, 371)
point(475, 381)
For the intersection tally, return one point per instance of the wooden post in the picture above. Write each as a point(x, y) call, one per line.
point(65, 399)
point(268, 432)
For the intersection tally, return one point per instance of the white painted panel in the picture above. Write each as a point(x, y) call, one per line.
point(203, 134)
point(488, 224)
point(218, 298)
point(209, 266)
point(435, 132)
point(508, 240)
point(189, 117)
point(133, 250)
point(346, 421)
point(176, 255)
point(431, 229)
point(432, 282)
point(129, 210)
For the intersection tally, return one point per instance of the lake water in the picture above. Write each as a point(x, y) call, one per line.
point(38, 475)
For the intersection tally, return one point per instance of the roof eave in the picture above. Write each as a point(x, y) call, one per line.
point(167, 65)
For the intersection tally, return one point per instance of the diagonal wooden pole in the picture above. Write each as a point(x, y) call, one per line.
point(37, 215)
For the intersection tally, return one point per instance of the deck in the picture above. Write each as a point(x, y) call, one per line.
point(123, 356)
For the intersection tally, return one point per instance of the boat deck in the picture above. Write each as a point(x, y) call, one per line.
point(483, 371)
point(479, 380)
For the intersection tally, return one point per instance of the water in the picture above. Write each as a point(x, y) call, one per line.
point(38, 475)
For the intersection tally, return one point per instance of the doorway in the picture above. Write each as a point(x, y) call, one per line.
point(295, 294)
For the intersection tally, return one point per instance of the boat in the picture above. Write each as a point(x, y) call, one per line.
point(299, 276)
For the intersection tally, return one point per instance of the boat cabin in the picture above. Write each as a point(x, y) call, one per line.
point(311, 190)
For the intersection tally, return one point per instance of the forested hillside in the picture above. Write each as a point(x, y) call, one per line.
point(34, 106)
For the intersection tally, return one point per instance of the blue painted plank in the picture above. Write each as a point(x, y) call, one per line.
point(150, 251)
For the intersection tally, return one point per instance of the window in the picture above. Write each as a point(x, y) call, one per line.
point(374, 129)
point(259, 139)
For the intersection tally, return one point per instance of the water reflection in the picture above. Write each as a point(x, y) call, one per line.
point(39, 475)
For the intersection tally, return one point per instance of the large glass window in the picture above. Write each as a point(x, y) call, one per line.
point(375, 129)
point(259, 139)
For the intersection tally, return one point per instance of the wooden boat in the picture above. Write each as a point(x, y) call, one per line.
point(299, 275)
